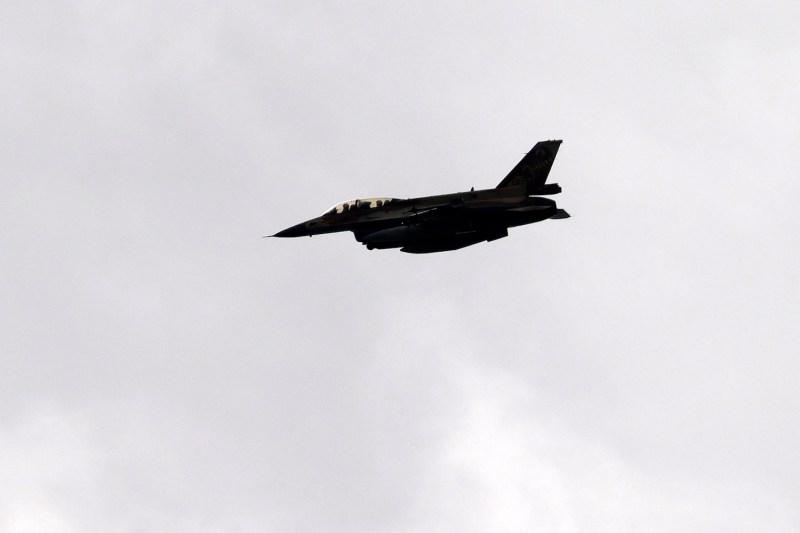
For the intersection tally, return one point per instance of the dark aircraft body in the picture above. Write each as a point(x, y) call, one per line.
point(447, 221)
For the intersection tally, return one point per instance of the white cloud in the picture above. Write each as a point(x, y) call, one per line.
point(633, 367)
point(48, 465)
point(510, 465)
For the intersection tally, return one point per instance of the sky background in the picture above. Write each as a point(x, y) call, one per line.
point(163, 368)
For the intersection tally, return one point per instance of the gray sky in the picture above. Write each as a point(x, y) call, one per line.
point(163, 368)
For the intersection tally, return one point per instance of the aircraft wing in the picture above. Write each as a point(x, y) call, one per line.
point(533, 169)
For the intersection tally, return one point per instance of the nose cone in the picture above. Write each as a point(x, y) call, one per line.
point(298, 230)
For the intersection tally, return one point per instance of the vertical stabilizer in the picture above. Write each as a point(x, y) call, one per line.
point(533, 169)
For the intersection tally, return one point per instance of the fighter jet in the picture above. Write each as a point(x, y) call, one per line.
point(448, 221)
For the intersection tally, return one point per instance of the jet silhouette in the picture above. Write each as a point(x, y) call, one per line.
point(447, 221)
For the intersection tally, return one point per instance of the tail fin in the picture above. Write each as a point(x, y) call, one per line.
point(532, 171)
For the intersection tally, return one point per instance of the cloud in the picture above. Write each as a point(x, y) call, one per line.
point(511, 465)
point(163, 367)
point(48, 465)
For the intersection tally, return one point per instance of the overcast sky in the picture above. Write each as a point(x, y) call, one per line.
point(163, 368)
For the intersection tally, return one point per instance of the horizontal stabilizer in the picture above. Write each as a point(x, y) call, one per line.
point(547, 188)
point(560, 213)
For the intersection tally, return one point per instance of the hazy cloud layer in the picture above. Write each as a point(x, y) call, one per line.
point(163, 368)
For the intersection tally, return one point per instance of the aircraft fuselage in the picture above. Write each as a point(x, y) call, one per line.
point(447, 221)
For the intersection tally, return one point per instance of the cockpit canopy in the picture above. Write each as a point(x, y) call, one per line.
point(362, 203)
